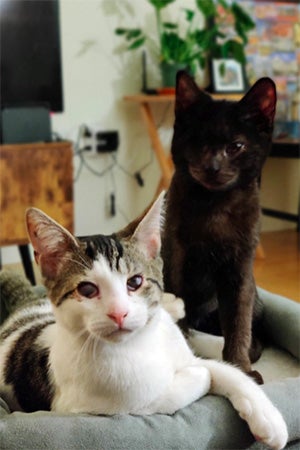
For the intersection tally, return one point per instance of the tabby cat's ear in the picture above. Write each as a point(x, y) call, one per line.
point(147, 233)
point(187, 91)
point(50, 241)
point(260, 101)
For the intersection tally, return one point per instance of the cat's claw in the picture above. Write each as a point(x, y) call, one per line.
point(264, 420)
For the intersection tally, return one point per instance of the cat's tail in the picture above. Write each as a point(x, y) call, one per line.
point(16, 292)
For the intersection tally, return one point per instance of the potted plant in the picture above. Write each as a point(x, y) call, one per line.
point(190, 46)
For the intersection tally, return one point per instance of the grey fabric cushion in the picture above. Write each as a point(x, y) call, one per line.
point(209, 423)
point(282, 321)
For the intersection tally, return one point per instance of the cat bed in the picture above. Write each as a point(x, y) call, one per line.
point(209, 423)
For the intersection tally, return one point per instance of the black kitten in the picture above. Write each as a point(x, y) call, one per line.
point(212, 220)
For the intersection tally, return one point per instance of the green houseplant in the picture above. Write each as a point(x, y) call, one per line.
point(192, 46)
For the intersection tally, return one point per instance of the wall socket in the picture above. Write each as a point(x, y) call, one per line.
point(95, 141)
point(107, 141)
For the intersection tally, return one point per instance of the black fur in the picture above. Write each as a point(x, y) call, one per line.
point(108, 246)
point(27, 371)
point(213, 212)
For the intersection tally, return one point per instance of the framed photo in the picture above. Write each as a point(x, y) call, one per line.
point(227, 76)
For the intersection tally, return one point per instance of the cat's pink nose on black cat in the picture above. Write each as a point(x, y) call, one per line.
point(118, 317)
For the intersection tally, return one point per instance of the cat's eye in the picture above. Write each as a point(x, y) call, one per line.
point(88, 289)
point(135, 282)
point(234, 148)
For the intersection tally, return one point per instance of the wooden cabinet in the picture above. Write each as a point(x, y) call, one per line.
point(39, 175)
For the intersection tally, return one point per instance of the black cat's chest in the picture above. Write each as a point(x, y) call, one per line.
point(223, 218)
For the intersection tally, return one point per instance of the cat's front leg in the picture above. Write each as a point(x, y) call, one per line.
point(236, 313)
point(264, 420)
point(188, 385)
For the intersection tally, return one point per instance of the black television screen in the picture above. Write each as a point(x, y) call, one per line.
point(30, 57)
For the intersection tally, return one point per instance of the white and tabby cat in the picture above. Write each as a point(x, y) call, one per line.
point(104, 344)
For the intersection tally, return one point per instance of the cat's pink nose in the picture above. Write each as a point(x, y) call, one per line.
point(118, 317)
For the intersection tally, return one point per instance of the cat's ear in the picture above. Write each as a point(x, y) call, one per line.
point(260, 101)
point(187, 91)
point(50, 241)
point(148, 232)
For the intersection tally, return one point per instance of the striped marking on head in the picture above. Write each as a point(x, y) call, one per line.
point(107, 246)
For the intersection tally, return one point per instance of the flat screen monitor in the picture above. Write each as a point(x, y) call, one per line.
point(30, 60)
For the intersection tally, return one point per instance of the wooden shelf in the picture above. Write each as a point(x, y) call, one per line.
point(163, 98)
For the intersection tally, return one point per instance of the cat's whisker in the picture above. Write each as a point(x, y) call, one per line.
point(95, 356)
point(80, 333)
point(82, 259)
point(75, 261)
point(83, 350)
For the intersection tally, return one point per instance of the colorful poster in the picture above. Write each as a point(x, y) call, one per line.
point(274, 51)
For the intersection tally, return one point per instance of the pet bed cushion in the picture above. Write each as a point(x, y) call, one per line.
point(209, 423)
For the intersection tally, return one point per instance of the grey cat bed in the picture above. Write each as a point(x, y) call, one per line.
point(209, 423)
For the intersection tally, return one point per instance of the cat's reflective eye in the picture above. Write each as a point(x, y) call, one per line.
point(88, 289)
point(234, 148)
point(134, 282)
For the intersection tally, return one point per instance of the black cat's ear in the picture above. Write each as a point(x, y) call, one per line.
point(50, 241)
point(260, 101)
point(187, 91)
point(147, 234)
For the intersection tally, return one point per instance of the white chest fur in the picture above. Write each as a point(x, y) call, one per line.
point(117, 377)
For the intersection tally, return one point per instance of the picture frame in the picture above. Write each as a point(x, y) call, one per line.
point(227, 76)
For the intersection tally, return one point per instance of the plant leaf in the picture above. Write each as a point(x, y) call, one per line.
point(206, 37)
point(222, 69)
point(207, 7)
point(121, 31)
point(189, 14)
point(136, 44)
point(235, 50)
point(160, 4)
point(201, 61)
point(132, 34)
point(170, 25)
point(242, 17)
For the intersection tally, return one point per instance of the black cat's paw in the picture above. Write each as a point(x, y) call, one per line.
point(256, 376)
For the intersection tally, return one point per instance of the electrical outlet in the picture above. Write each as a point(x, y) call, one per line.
point(95, 141)
point(107, 141)
point(87, 139)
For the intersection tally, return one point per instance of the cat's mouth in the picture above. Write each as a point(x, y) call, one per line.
point(116, 335)
point(110, 334)
point(217, 185)
point(217, 182)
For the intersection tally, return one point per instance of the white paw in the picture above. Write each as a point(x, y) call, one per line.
point(174, 306)
point(264, 420)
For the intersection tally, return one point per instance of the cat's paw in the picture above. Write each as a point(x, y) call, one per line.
point(264, 420)
point(173, 305)
point(256, 376)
